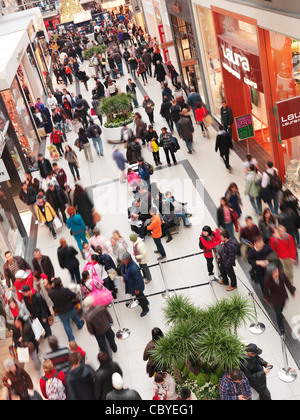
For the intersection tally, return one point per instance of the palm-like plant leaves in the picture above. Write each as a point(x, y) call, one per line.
point(203, 336)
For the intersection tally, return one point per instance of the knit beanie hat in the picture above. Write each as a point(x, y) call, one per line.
point(133, 237)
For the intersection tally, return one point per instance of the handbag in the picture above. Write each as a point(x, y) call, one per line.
point(101, 296)
point(112, 274)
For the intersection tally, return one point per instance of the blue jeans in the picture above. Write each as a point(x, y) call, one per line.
point(159, 247)
point(189, 145)
point(51, 227)
point(229, 227)
point(256, 204)
point(184, 217)
point(274, 203)
point(97, 142)
point(65, 319)
point(120, 68)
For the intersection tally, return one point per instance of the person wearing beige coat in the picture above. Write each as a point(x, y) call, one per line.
point(141, 256)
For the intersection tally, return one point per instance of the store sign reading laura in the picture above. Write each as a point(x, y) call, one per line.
point(244, 65)
point(288, 114)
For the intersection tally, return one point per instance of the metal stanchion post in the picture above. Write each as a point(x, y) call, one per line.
point(167, 293)
point(122, 333)
point(286, 374)
point(256, 327)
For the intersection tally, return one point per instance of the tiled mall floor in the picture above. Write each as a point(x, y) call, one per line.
point(111, 200)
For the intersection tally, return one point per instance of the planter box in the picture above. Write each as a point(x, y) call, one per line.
point(113, 135)
point(91, 72)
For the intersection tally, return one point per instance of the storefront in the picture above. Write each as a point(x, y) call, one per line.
point(185, 44)
point(248, 63)
point(159, 27)
point(31, 21)
point(19, 89)
point(13, 236)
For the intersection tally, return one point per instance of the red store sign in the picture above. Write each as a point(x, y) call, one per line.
point(241, 63)
point(288, 115)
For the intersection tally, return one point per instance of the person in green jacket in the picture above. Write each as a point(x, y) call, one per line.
point(253, 188)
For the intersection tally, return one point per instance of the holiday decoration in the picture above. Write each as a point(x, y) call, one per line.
point(68, 8)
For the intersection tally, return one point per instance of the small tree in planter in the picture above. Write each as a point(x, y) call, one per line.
point(117, 110)
point(98, 49)
point(202, 341)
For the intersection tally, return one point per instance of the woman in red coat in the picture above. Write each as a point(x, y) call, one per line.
point(56, 138)
point(208, 241)
point(200, 114)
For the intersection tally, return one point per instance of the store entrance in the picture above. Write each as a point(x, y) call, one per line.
point(244, 99)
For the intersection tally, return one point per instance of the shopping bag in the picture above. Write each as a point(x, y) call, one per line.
point(101, 296)
point(207, 120)
point(37, 329)
point(57, 223)
point(23, 354)
point(42, 132)
point(13, 352)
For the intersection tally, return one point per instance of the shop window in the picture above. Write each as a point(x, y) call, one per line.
point(212, 58)
point(21, 119)
point(238, 30)
point(284, 61)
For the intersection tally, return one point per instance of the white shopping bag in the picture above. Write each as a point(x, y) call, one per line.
point(23, 354)
point(57, 223)
point(37, 329)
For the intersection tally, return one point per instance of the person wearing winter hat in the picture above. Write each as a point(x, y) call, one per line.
point(119, 393)
point(141, 256)
point(207, 242)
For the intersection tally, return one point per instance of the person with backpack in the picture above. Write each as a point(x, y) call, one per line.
point(53, 383)
point(94, 132)
point(144, 171)
point(208, 240)
point(271, 185)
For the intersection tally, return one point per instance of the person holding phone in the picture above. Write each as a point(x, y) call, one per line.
point(256, 370)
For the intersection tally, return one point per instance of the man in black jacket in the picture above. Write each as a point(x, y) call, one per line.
point(226, 117)
point(28, 196)
point(67, 259)
point(37, 307)
point(62, 299)
point(256, 369)
point(224, 144)
point(119, 392)
point(44, 166)
point(43, 264)
point(57, 198)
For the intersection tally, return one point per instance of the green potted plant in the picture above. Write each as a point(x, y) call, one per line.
point(98, 49)
point(202, 340)
point(88, 54)
point(117, 110)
